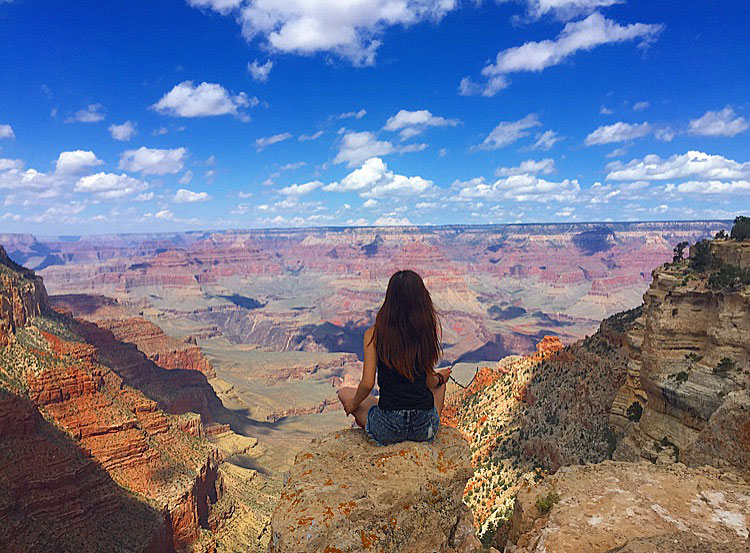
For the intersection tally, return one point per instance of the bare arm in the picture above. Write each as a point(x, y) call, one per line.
point(368, 371)
point(432, 379)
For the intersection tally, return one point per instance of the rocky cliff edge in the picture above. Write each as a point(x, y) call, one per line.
point(345, 494)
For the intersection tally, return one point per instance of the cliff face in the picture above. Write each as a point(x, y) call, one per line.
point(344, 494)
point(688, 370)
point(89, 463)
point(22, 296)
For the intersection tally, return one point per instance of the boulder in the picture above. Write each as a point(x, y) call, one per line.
point(345, 494)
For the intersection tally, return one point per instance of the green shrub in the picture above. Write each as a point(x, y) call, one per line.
point(741, 228)
point(679, 377)
point(721, 235)
point(635, 411)
point(724, 366)
point(544, 504)
point(679, 251)
point(728, 276)
point(701, 258)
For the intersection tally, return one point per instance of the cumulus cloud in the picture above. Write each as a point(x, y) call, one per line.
point(522, 188)
point(14, 177)
point(583, 35)
point(6, 131)
point(345, 28)
point(640, 106)
point(357, 147)
point(183, 196)
point(164, 214)
point(714, 187)
point(617, 132)
point(69, 163)
point(374, 180)
point(391, 221)
point(153, 161)
point(507, 132)
point(604, 110)
point(93, 113)
point(353, 114)
point(260, 72)
point(109, 185)
point(186, 178)
point(719, 123)
point(530, 166)
point(123, 132)
point(263, 142)
point(565, 10)
point(300, 189)
point(204, 100)
point(545, 140)
point(412, 123)
point(691, 165)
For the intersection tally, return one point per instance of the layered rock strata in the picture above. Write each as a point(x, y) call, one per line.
point(688, 389)
point(22, 296)
point(344, 494)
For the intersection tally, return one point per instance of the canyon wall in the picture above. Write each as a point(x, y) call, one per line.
point(22, 296)
point(690, 368)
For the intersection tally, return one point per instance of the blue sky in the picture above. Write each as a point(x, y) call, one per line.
point(127, 116)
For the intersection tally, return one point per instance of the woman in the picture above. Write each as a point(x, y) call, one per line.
point(403, 347)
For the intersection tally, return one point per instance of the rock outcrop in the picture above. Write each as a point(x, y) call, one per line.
point(22, 296)
point(632, 507)
point(688, 389)
point(344, 494)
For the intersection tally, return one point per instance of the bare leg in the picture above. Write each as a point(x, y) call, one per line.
point(360, 413)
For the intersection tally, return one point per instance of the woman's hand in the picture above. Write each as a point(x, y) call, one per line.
point(349, 406)
point(445, 373)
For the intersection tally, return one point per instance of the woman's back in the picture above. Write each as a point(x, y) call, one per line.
point(398, 392)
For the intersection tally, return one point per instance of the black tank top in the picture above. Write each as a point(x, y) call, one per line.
point(398, 392)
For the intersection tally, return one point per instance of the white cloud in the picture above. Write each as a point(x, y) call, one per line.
point(165, 215)
point(183, 196)
point(640, 106)
point(522, 188)
point(719, 123)
point(292, 166)
point(347, 28)
point(390, 221)
point(6, 131)
point(412, 123)
point(468, 87)
point(69, 163)
point(604, 110)
point(545, 140)
point(353, 114)
point(576, 36)
point(375, 180)
point(566, 10)
point(693, 164)
point(357, 147)
point(617, 132)
point(265, 141)
point(123, 132)
point(369, 204)
point(153, 161)
point(186, 178)
point(109, 185)
point(715, 187)
point(8, 164)
point(665, 134)
point(206, 99)
point(93, 113)
point(306, 137)
point(300, 189)
point(144, 197)
point(260, 72)
point(617, 152)
point(507, 132)
point(530, 167)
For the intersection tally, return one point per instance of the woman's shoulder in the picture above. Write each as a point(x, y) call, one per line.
point(369, 332)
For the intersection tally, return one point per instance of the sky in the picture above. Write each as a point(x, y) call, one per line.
point(135, 115)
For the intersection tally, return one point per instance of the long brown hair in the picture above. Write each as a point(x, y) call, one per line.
point(407, 329)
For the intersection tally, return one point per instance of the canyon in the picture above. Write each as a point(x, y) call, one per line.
point(187, 371)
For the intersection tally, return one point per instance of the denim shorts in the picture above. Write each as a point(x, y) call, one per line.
point(390, 427)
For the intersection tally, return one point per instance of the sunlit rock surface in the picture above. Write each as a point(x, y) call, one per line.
point(345, 494)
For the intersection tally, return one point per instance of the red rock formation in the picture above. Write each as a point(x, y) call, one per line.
point(22, 296)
